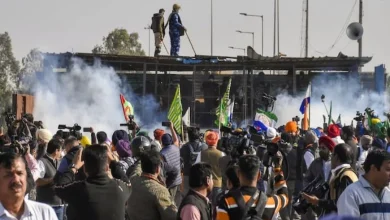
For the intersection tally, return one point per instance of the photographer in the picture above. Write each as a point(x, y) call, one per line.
point(342, 175)
point(248, 197)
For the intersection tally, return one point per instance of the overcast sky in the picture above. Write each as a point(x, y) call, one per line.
point(74, 25)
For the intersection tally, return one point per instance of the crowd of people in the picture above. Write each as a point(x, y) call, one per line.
point(330, 173)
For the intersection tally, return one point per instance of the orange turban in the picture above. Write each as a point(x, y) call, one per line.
point(211, 138)
point(291, 127)
point(158, 133)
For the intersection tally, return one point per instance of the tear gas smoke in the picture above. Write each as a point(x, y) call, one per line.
point(89, 96)
point(346, 95)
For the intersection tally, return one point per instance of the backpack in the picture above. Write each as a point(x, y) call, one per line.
point(194, 153)
point(249, 212)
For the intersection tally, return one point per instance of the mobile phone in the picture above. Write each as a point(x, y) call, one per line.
point(166, 123)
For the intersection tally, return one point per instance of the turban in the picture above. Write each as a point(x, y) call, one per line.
point(158, 133)
point(44, 135)
point(328, 142)
point(212, 138)
point(291, 127)
point(333, 131)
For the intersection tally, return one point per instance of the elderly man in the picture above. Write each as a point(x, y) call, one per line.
point(13, 184)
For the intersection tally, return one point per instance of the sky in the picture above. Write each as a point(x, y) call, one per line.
point(76, 26)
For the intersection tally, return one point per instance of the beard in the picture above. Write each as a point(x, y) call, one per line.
point(324, 155)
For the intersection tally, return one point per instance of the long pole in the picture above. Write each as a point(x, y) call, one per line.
point(211, 27)
point(361, 22)
point(278, 31)
point(274, 27)
point(307, 30)
point(253, 40)
point(262, 35)
point(149, 41)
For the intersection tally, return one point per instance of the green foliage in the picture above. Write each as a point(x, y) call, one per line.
point(9, 72)
point(32, 64)
point(120, 42)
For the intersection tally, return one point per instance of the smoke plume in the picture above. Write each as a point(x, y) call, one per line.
point(345, 93)
point(89, 96)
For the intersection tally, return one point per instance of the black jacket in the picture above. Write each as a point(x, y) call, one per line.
point(97, 197)
point(340, 184)
point(204, 207)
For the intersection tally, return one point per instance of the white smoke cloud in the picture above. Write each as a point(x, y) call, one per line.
point(89, 96)
point(345, 93)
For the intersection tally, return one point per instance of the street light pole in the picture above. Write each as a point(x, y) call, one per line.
point(236, 48)
point(262, 28)
point(253, 36)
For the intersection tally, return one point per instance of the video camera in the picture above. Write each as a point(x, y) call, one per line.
point(73, 131)
point(9, 118)
point(296, 119)
point(237, 142)
point(131, 125)
point(268, 100)
point(17, 145)
point(317, 187)
point(359, 116)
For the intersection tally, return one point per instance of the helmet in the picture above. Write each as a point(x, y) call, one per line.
point(139, 145)
point(176, 7)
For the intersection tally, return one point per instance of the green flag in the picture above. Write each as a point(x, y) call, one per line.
point(222, 110)
point(330, 114)
point(175, 111)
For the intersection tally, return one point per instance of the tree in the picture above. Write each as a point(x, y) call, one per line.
point(32, 64)
point(9, 72)
point(120, 42)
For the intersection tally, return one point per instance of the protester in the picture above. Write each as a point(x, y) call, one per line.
point(98, 197)
point(171, 155)
point(287, 213)
point(319, 168)
point(334, 133)
point(189, 152)
point(195, 204)
point(211, 156)
point(48, 166)
point(71, 145)
point(13, 187)
point(342, 176)
point(363, 150)
point(176, 30)
point(158, 27)
point(348, 137)
point(309, 151)
point(158, 133)
point(125, 155)
point(369, 197)
point(248, 173)
point(150, 199)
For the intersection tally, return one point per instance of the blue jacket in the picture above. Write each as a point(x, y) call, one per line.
point(171, 156)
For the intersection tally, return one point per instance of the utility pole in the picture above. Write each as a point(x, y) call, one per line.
point(360, 41)
point(307, 30)
point(211, 27)
point(262, 35)
point(274, 27)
